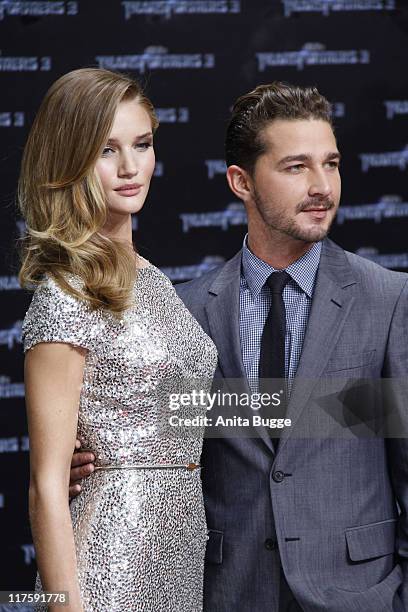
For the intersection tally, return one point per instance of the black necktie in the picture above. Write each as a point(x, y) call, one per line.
point(272, 355)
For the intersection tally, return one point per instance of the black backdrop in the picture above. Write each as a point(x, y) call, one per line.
point(195, 57)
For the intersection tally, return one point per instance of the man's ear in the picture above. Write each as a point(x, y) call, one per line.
point(239, 182)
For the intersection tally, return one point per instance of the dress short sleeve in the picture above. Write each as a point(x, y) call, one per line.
point(56, 316)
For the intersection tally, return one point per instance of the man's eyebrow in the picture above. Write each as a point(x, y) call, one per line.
point(304, 157)
point(141, 137)
point(290, 158)
point(334, 155)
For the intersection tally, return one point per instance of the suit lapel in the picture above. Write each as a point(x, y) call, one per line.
point(222, 310)
point(332, 301)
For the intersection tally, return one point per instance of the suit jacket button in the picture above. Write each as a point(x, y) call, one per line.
point(278, 476)
point(270, 544)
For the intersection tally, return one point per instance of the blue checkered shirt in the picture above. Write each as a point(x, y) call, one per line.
point(255, 301)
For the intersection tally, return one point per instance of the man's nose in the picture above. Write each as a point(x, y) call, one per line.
point(320, 184)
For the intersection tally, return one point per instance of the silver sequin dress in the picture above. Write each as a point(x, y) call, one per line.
point(140, 534)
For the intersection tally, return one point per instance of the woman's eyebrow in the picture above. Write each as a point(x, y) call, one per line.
point(146, 135)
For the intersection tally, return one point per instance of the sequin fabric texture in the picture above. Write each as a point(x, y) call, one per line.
point(140, 534)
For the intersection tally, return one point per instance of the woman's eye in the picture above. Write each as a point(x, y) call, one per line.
point(141, 146)
point(144, 145)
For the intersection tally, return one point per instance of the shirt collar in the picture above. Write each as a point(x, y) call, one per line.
point(303, 271)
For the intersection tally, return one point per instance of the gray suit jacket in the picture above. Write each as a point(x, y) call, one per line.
point(337, 507)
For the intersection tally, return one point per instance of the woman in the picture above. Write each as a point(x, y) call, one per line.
point(106, 338)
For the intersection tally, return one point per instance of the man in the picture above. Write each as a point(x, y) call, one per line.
point(310, 523)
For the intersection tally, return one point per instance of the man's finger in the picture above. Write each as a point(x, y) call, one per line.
point(74, 490)
point(81, 472)
point(81, 459)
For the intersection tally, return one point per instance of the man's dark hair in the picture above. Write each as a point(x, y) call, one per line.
point(255, 110)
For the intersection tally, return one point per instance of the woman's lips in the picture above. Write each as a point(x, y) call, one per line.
point(129, 190)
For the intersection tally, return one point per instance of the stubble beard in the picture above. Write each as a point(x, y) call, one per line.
point(278, 222)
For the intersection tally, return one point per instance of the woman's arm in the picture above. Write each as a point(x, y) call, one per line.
point(53, 379)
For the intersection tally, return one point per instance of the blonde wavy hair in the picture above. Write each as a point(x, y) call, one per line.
point(59, 193)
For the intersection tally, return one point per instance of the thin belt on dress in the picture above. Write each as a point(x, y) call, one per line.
point(150, 466)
